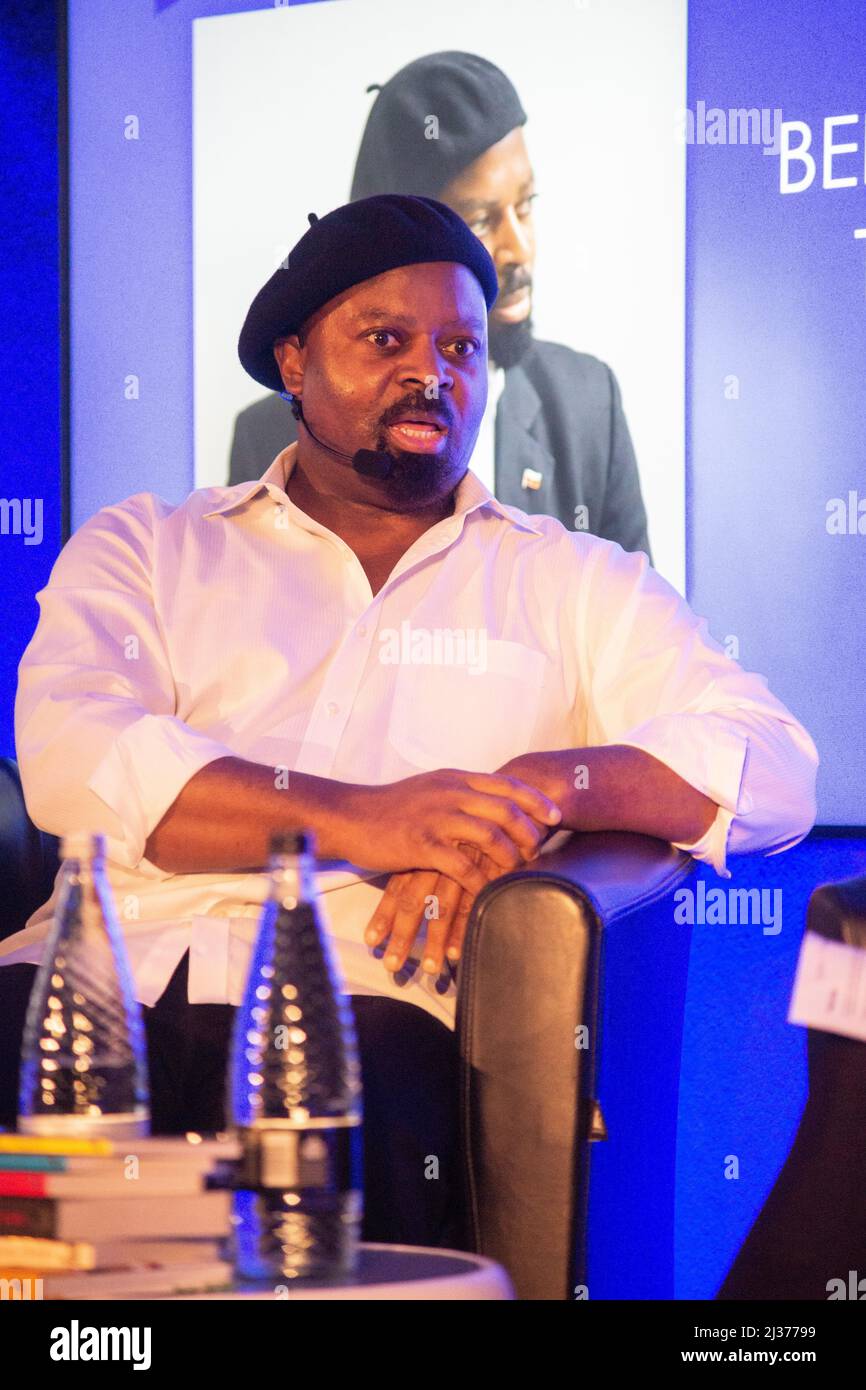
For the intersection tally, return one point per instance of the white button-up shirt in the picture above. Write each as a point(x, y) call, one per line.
point(235, 624)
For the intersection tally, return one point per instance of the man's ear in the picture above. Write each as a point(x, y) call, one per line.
point(288, 355)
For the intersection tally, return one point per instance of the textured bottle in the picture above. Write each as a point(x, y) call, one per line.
point(295, 1091)
point(83, 1060)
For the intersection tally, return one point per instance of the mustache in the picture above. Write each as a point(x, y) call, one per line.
point(513, 284)
point(433, 410)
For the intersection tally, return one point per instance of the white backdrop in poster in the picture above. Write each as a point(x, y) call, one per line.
point(279, 106)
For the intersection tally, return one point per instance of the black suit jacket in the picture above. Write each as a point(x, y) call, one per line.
point(560, 415)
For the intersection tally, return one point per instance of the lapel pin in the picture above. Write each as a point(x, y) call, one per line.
point(531, 478)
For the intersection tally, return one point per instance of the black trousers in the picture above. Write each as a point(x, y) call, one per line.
point(409, 1072)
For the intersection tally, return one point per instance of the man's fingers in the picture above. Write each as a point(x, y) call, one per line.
point(414, 903)
point(436, 898)
point(460, 912)
point(508, 845)
point(455, 905)
point(410, 899)
point(529, 799)
point(379, 924)
point(458, 864)
point(459, 917)
point(447, 895)
point(516, 825)
point(459, 922)
point(481, 831)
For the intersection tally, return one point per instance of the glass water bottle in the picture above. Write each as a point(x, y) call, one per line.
point(84, 1060)
point(295, 1091)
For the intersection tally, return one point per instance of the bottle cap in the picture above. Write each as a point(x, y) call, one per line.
point(292, 842)
point(82, 844)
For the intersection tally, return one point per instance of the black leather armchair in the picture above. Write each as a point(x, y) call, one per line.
point(586, 942)
point(28, 856)
point(565, 968)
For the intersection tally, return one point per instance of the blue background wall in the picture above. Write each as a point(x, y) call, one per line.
point(776, 297)
point(30, 396)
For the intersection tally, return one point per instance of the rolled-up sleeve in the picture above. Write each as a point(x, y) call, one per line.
point(659, 681)
point(97, 738)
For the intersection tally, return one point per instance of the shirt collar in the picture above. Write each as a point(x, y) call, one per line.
point(469, 494)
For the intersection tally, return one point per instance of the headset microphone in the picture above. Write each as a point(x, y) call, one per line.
point(372, 463)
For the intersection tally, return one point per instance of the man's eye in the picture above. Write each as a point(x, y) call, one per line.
point(482, 225)
point(388, 333)
point(381, 333)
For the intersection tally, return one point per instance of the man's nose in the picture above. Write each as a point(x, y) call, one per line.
point(424, 363)
point(514, 241)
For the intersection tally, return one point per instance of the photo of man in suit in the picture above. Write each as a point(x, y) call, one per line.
point(554, 438)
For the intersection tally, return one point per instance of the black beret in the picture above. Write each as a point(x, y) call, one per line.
point(351, 244)
point(475, 106)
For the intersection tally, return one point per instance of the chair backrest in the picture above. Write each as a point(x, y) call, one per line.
point(28, 856)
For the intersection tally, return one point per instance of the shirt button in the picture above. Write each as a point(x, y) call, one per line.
point(748, 804)
point(362, 630)
point(331, 707)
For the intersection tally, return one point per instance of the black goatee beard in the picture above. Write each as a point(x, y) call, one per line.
point(507, 343)
point(416, 479)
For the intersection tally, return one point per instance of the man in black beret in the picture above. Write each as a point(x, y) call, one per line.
point(554, 439)
point(367, 644)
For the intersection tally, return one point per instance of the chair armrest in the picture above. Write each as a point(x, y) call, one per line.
point(838, 911)
point(618, 871)
point(528, 1014)
point(28, 856)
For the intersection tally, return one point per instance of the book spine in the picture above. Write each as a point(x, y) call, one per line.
point(51, 1144)
point(80, 1186)
point(25, 1185)
point(33, 1163)
point(28, 1216)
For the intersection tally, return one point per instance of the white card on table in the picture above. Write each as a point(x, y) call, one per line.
point(830, 988)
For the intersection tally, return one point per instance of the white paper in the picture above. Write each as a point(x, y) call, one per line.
point(830, 988)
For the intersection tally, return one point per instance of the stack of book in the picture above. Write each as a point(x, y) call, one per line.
point(109, 1218)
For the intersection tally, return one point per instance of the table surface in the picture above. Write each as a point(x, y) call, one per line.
point(386, 1272)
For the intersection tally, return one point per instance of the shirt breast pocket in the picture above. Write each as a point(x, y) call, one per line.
point(474, 718)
